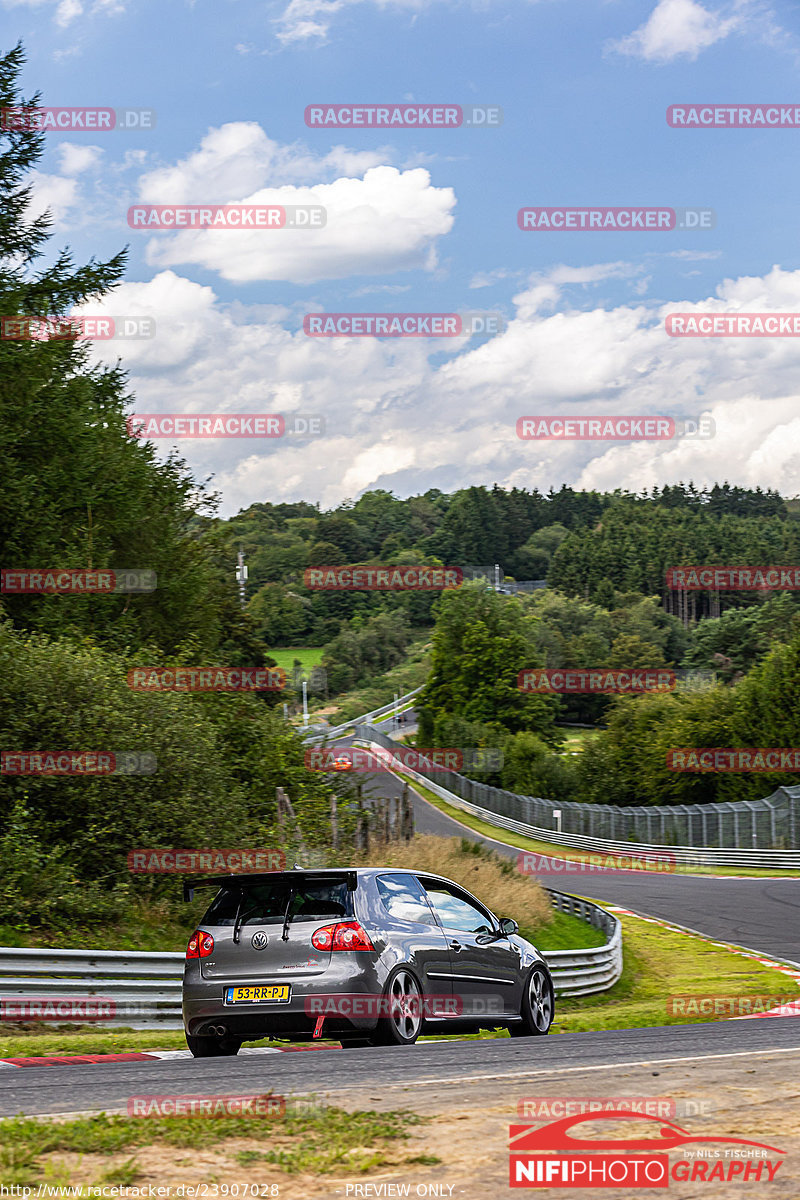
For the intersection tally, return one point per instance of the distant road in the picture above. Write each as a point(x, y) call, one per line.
point(757, 913)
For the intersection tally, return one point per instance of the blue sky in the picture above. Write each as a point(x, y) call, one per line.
point(425, 220)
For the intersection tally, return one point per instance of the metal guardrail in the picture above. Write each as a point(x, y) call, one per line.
point(593, 969)
point(145, 988)
point(683, 855)
point(365, 720)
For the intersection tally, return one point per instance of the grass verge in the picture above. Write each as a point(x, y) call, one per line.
point(658, 963)
point(285, 655)
point(317, 1142)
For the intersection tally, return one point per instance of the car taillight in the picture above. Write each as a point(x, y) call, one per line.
point(346, 935)
point(201, 944)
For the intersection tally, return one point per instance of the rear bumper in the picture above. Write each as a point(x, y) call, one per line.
point(204, 1006)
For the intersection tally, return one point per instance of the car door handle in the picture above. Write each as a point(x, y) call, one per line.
point(455, 945)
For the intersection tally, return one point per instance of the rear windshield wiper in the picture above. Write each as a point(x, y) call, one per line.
point(287, 915)
point(240, 917)
point(237, 920)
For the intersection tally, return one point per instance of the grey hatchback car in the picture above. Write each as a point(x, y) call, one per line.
point(367, 957)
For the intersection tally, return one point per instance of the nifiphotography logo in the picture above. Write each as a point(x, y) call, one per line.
point(552, 1155)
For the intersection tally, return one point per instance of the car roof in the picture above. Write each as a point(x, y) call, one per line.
point(319, 872)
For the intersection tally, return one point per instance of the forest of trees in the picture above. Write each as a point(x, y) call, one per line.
point(79, 492)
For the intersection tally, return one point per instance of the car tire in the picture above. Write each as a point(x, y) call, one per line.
point(403, 1025)
point(538, 1005)
point(213, 1047)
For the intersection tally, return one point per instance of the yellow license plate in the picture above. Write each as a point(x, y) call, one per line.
point(271, 993)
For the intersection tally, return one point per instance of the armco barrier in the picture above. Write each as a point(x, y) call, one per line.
point(146, 988)
point(378, 712)
point(579, 972)
point(788, 799)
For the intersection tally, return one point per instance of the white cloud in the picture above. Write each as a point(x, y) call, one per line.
point(307, 20)
point(397, 420)
point(677, 28)
point(52, 192)
point(67, 11)
point(74, 158)
point(388, 221)
point(238, 158)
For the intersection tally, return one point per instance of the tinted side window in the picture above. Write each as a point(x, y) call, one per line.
point(455, 912)
point(265, 903)
point(403, 897)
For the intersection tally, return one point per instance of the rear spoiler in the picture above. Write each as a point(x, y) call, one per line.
point(221, 881)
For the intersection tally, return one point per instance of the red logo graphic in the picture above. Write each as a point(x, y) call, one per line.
point(552, 1155)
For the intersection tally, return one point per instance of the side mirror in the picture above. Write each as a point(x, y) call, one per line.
point(508, 926)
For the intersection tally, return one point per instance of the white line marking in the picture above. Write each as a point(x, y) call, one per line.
point(644, 1062)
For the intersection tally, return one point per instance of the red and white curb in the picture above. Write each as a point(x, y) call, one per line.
point(72, 1060)
point(786, 1010)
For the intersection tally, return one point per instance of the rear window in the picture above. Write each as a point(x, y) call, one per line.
point(265, 903)
point(403, 897)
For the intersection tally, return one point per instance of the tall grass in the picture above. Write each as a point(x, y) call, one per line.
point(492, 879)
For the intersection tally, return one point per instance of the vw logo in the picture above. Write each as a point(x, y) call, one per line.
point(259, 941)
